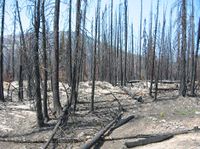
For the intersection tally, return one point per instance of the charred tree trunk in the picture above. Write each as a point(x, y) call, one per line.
point(55, 60)
point(45, 110)
point(40, 120)
point(22, 50)
point(94, 58)
point(1, 51)
point(154, 50)
point(74, 88)
point(132, 56)
point(192, 52)
point(13, 48)
point(126, 39)
point(195, 62)
point(69, 45)
point(183, 88)
point(140, 41)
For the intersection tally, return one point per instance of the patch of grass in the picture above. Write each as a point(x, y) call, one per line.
point(162, 114)
point(185, 112)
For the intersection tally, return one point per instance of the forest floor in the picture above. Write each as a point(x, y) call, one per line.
point(170, 113)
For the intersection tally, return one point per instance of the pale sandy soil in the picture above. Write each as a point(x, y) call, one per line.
point(169, 114)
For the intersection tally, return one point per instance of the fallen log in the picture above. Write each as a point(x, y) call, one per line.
point(134, 81)
point(61, 120)
point(123, 121)
point(119, 103)
point(133, 96)
point(168, 82)
point(30, 140)
point(148, 139)
point(128, 137)
point(166, 89)
point(98, 136)
point(154, 139)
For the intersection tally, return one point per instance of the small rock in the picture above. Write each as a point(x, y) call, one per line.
point(197, 112)
point(163, 121)
point(81, 134)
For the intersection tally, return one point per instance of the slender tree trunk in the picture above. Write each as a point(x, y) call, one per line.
point(69, 44)
point(55, 60)
point(74, 88)
point(45, 109)
point(40, 119)
point(13, 48)
point(132, 56)
point(170, 46)
point(111, 44)
point(94, 58)
point(140, 41)
point(192, 52)
point(1, 51)
point(150, 44)
point(121, 53)
point(195, 61)
point(126, 39)
point(22, 51)
point(183, 88)
point(159, 57)
point(154, 49)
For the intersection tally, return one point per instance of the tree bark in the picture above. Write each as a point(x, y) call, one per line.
point(45, 109)
point(126, 39)
point(154, 50)
point(55, 60)
point(183, 88)
point(94, 54)
point(40, 120)
point(74, 88)
point(22, 51)
point(1, 51)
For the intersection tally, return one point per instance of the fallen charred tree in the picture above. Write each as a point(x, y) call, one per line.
point(31, 140)
point(98, 136)
point(133, 96)
point(148, 139)
point(153, 139)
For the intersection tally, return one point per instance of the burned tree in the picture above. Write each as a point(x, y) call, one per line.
point(55, 60)
point(126, 39)
point(1, 51)
point(183, 87)
point(40, 119)
point(44, 48)
point(94, 55)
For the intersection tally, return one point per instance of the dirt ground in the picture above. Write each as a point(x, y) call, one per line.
point(169, 113)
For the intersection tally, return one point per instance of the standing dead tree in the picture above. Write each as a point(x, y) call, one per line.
point(94, 54)
point(195, 61)
point(13, 47)
point(1, 51)
point(40, 119)
point(69, 45)
point(126, 38)
point(159, 55)
point(55, 60)
point(192, 51)
point(183, 87)
point(75, 83)
point(21, 55)
point(154, 49)
point(140, 41)
point(44, 47)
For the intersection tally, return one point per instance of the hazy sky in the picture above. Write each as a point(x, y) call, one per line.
point(133, 12)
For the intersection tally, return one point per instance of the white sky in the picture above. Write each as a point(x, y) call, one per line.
point(133, 11)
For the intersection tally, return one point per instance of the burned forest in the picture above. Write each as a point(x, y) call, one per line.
point(97, 74)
